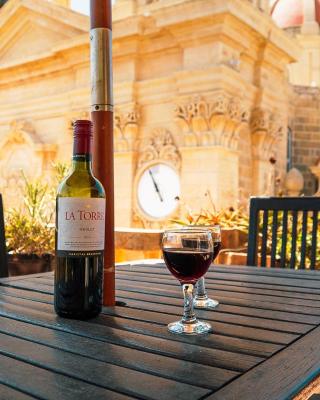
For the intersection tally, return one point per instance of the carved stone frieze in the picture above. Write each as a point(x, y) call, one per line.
point(260, 120)
point(159, 146)
point(267, 130)
point(125, 129)
point(212, 123)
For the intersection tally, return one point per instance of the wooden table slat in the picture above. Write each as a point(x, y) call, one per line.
point(9, 393)
point(287, 373)
point(44, 384)
point(95, 372)
point(267, 279)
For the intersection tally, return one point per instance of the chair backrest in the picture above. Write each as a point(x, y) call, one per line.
point(3, 249)
point(285, 230)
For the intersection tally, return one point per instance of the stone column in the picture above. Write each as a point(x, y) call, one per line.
point(125, 136)
point(266, 132)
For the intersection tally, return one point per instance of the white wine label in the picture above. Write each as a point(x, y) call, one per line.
point(81, 225)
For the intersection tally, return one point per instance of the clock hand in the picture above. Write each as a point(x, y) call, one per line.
point(156, 186)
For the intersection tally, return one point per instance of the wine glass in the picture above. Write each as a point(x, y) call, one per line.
point(188, 255)
point(201, 299)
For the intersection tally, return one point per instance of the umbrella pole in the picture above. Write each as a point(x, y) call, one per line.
point(102, 118)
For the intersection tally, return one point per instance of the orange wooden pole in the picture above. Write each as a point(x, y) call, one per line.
point(102, 118)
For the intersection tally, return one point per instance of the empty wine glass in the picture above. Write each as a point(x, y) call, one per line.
point(188, 255)
point(201, 299)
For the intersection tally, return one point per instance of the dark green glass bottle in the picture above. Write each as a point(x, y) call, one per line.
point(80, 225)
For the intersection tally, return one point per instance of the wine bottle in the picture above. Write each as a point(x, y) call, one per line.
point(80, 229)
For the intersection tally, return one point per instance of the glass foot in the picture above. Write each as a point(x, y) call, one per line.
point(205, 303)
point(195, 328)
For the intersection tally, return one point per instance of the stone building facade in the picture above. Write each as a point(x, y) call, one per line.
point(201, 94)
point(300, 19)
point(304, 128)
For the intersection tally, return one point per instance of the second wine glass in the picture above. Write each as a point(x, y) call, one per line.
point(201, 299)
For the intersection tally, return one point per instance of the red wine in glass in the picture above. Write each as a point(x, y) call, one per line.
point(216, 249)
point(188, 265)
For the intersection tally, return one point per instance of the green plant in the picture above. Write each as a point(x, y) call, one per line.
point(298, 241)
point(230, 217)
point(28, 236)
point(30, 228)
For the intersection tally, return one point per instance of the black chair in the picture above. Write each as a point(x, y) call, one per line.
point(3, 249)
point(286, 229)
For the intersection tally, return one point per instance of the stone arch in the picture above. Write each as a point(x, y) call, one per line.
point(20, 150)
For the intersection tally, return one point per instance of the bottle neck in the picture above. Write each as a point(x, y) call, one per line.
point(81, 158)
point(82, 162)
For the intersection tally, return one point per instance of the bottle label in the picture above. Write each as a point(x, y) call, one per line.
point(81, 225)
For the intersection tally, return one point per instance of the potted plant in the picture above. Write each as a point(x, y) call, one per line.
point(30, 228)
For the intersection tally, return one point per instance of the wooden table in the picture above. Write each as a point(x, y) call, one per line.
point(265, 345)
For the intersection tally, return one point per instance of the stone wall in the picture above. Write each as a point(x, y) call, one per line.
point(305, 127)
point(190, 92)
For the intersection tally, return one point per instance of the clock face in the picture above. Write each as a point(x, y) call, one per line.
point(157, 190)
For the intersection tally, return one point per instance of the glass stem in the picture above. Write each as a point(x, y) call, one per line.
point(188, 312)
point(201, 289)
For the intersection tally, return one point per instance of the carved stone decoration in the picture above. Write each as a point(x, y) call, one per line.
point(21, 131)
point(267, 130)
point(125, 129)
point(212, 123)
point(198, 115)
point(21, 149)
point(159, 146)
point(260, 120)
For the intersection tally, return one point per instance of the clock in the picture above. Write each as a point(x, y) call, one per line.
point(157, 190)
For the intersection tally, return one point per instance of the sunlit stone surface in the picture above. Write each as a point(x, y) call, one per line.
point(199, 85)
